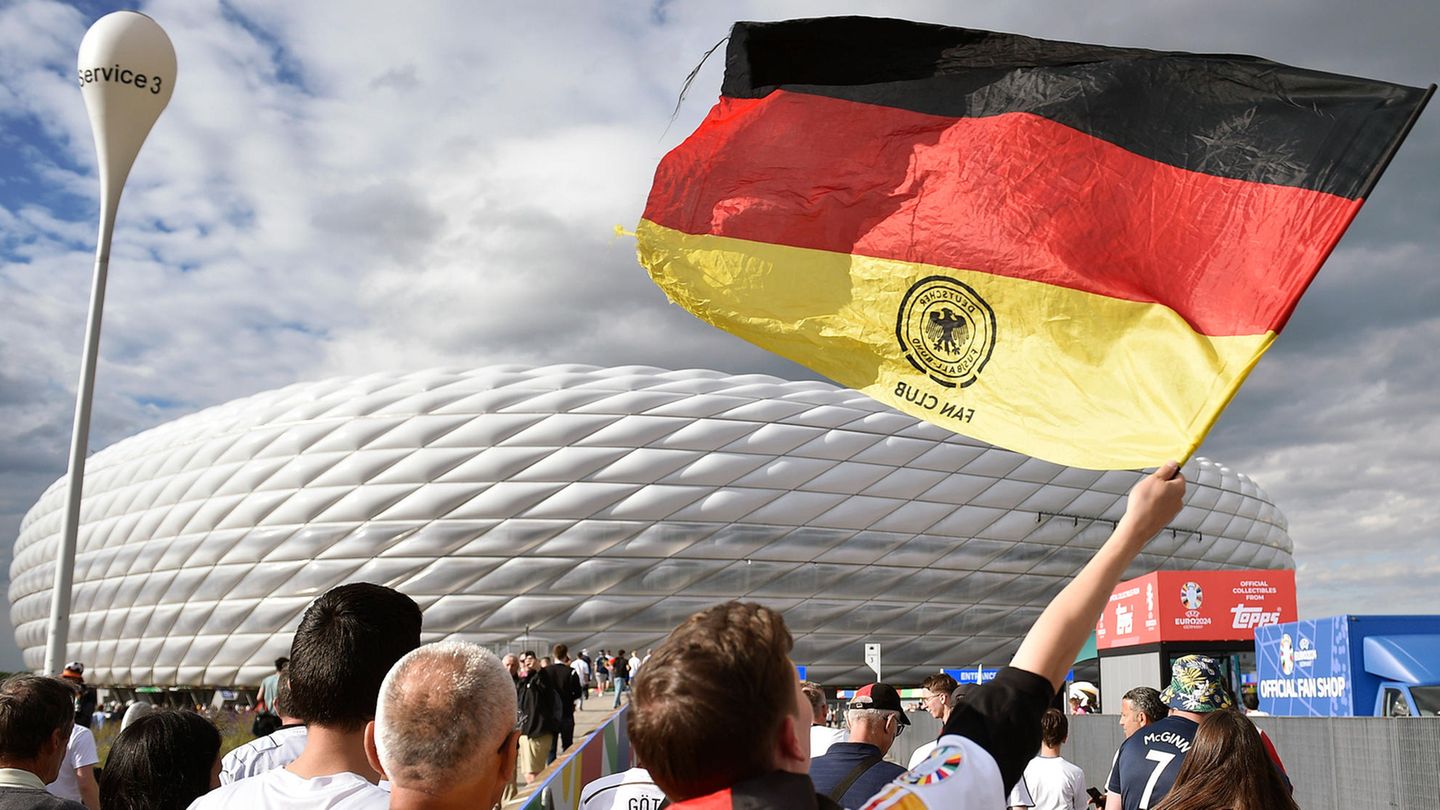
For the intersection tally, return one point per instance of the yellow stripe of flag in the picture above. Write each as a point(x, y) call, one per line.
point(1005, 360)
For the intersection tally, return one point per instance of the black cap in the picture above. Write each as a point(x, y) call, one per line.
point(879, 696)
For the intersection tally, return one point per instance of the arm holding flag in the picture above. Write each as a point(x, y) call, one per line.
point(1003, 716)
point(1049, 649)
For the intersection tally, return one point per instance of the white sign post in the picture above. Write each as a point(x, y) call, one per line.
point(126, 72)
point(872, 659)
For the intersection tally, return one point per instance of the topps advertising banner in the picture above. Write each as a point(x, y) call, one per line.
point(1305, 668)
point(1195, 606)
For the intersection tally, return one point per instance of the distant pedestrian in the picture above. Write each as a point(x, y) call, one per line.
point(602, 673)
point(567, 687)
point(620, 674)
point(88, 697)
point(581, 666)
point(540, 716)
point(266, 718)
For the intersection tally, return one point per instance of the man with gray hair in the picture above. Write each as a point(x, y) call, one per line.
point(853, 771)
point(444, 730)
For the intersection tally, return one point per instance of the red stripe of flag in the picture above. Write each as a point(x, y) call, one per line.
point(1014, 195)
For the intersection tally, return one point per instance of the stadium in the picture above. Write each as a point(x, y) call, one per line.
point(595, 506)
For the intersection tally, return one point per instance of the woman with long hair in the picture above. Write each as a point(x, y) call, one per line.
point(1227, 769)
point(163, 761)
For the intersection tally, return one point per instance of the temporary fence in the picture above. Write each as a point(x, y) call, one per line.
point(604, 751)
point(1335, 763)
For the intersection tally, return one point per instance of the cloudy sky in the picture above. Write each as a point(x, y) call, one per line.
point(343, 187)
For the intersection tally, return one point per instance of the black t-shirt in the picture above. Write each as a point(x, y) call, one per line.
point(620, 668)
point(1003, 717)
point(1149, 760)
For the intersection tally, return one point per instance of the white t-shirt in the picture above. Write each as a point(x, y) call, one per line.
point(634, 665)
point(1019, 796)
point(627, 790)
point(279, 789)
point(822, 737)
point(959, 775)
point(582, 671)
point(79, 752)
point(1056, 784)
point(275, 750)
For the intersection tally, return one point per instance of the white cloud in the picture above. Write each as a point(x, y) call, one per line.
point(342, 187)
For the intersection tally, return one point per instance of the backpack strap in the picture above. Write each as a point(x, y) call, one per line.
point(855, 773)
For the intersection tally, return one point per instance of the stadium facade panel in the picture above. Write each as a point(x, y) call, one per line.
point(595, 506)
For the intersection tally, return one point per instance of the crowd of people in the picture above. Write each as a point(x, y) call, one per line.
point(361, 715)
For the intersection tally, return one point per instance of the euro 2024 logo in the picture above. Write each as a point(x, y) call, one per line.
point(1287, 654)
point(1191, 596)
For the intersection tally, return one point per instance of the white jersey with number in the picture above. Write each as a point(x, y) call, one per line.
point(627, 790)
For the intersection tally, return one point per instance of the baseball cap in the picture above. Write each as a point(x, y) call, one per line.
point(879, 696)
point(1196, 685)
point(960, 693)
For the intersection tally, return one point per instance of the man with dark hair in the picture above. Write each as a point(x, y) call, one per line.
point(346, 643)
point(540, 716)
point(1055, 783)
point(719, 717)
point(266, 718)
point(566, 683)
point(1140, 707)
point(853, 771)
point(36, 715)
point(620, 675)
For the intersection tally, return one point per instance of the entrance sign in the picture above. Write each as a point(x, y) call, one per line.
point(872, 658)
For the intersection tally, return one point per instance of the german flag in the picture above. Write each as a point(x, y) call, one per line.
point(1074, 251)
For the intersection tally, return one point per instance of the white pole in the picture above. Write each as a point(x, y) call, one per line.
point(126, 71)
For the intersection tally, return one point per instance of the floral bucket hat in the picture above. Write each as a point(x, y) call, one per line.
point(1196, 685)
